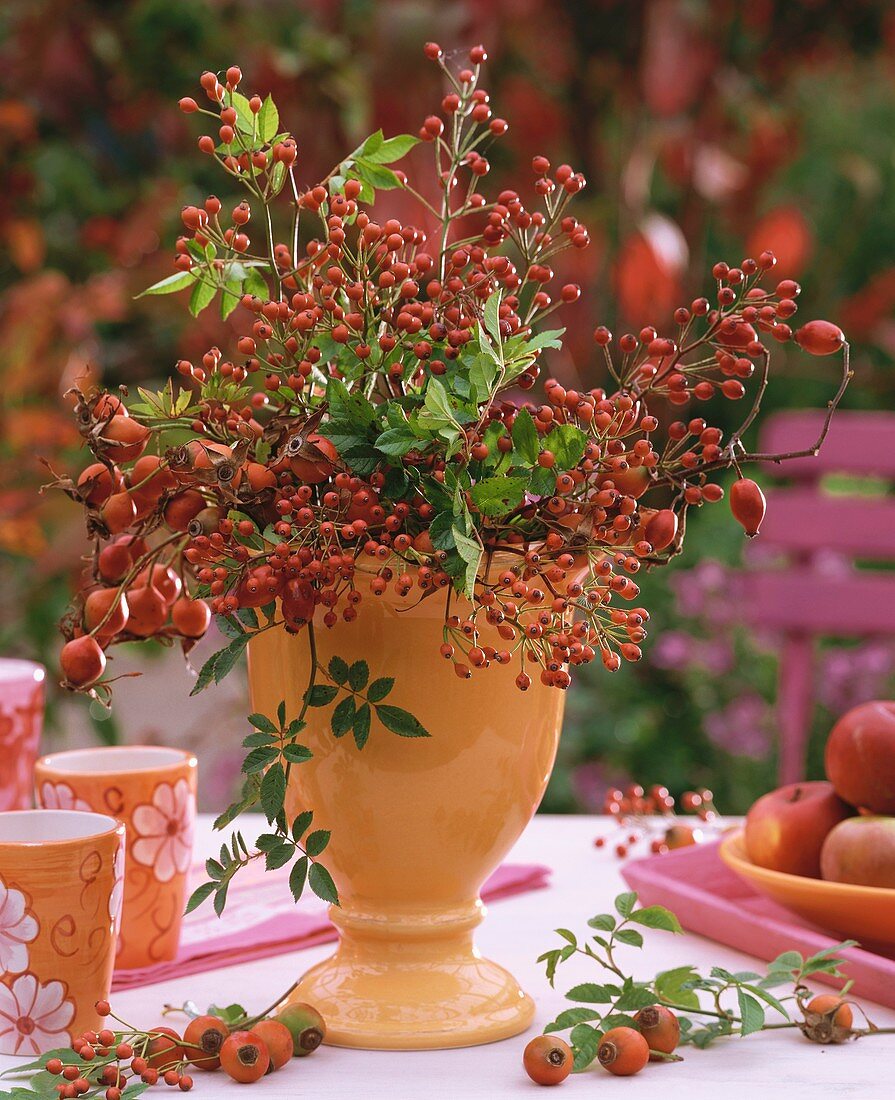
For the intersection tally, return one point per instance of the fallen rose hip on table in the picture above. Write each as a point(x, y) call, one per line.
point(152, 790)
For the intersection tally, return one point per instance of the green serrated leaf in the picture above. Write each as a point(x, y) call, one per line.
point(391, 149)
point(362, 725)
point(570, 1017)
point(273, 791)
point(322, 884)
point(380, 688)
point(585, 1043)
point(279, 856)
point(495, 496)
point(262, 723)
point(657, 916)
point(400, 721)
point(317, 841)
point(200, 894)
point(338, 669)
point(202, 296)
point(320, 695)
point(525, 438)
point(268, 119)
point(624, 903)
point(358, 675)
point(298, 876)
point(301, 824)
point(567, 444)
point(343, 716)
point(629, 936)
point(492, 317)
point(590, 993)
point(751, 1013)
point(297, 754)
point(605, 922)
point(180, 280)
point(258, 759)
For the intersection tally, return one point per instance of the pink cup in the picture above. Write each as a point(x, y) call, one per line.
point(21, 722)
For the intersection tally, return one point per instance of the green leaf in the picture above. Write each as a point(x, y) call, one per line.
point(551, 959)
point(525, 437)
point(230, 297)
point(492, 316)
point(471, 552)
point(338, 669)
point(390, 150)
point(320, 695)
point(438, 405)
point(257, 740)
point(605, 922)
point(400, 721)
point(301, 823)
point(768, 998)
point(220, 899)
point(358, 675)
point(362, 725)
point(199, 895)
point(495, 496)
point(589, 992)
point(547, 339)
point(380, 688)
point(571, 1016)
point(629, 936)
point(260, 722)
point(634, 997)
point(751, 1013)
point(180, 280)
point(671, 985)
point(298, 876)
point(268, 119)
point(397, 442)
point(353, 408)
point(258, 759)
point(624, 903)
point(789, 960)
point(273, 791)
point(482, 375)
point(585, 1041)
point(202, 296)
point(376, 175)
point(343, 717)
point(568, 936)
point(297, 754)
point(322, 884)
point(567, 444)
point(255, 284)
point(657, 916)
point(317, 841)
point(279, 856)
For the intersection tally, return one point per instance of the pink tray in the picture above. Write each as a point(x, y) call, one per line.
point(708, 898)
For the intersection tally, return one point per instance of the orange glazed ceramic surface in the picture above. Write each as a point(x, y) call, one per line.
point(863, 913)
point(60, 899)
point(153, 791)
point(417, 824)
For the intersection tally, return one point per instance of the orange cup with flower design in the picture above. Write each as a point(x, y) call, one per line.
point(152, 790)
point(21, 721)
point(61, 884)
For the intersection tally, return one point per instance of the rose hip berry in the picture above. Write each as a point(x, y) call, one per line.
point(278, 1040)
point(548, 1060)
point(244, 1056)
point(306, 1026)
point(623, 1051)
point(660, 1027)
point(826, 1003)
point(203, 1039)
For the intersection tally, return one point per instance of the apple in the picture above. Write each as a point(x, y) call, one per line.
point(860, 757)
point(860, 850)
point(786, 829)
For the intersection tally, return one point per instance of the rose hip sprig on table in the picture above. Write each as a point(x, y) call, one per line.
point(625, 1023)
point(362, 439)
point(123, 1061)
point(640, 816)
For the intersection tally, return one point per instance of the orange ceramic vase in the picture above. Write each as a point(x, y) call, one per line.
point(417, 826)
point(152, 790)
point(61, 879)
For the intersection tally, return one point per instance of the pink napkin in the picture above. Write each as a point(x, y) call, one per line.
point(261, 919)
point(708, 898)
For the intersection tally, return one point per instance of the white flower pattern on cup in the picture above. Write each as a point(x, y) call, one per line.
point(18, 928)
point(164, 829)
point(60, 796)
point(33, 1017)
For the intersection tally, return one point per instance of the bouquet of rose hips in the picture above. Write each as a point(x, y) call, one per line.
point(367, 432)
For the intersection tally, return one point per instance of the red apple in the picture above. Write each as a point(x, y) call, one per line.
point(860, 757)
point(860, 850)
point(786, 829)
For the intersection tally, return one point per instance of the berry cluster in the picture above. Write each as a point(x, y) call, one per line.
point(642, 816)
point(363, 441)
point(103, 1063)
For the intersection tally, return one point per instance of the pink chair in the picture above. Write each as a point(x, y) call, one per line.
point(798, 599)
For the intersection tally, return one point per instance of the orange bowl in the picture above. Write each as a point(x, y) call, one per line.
point(862, 913)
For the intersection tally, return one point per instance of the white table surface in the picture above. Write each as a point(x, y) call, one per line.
point(516, 931)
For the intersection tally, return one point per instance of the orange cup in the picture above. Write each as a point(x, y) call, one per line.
point(152, 790)
point(21, 721)
point(60, 898)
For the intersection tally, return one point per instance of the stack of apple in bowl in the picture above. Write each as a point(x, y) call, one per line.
point(826, 849)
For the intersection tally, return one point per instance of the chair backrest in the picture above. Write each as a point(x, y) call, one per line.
point(805, 519)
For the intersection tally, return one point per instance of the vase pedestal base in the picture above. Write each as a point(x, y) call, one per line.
point(416, 984)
